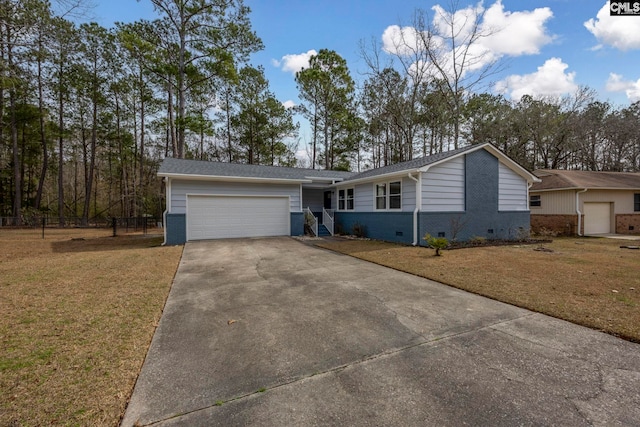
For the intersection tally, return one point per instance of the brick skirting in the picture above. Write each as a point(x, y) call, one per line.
point(563, 225)
point(626, 221)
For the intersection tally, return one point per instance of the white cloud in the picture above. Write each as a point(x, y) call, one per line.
point(616, 83)
point(288, 104)
point(551, 79)
point(504, 33)
point(401, 41)
point(294, 62)
point(515, 33)
point(621, 32)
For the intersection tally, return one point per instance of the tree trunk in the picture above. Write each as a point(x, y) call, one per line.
point(172, 127)
point(181, 87)
point(43, 137)
point(61, 220)
point(228, 116)
point(142, 113)
point(92, 161)
point(17, 183)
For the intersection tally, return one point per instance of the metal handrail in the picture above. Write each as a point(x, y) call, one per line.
point(327, 219)
point(311, 220)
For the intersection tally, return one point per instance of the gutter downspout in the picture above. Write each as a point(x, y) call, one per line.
point(578, 210)
point(418, 205)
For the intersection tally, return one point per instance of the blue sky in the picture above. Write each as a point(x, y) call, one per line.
point(547, 45)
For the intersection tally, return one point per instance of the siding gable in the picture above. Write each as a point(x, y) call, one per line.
point(512, 190)
point(443, 187)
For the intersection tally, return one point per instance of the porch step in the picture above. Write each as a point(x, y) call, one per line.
point(322, 231)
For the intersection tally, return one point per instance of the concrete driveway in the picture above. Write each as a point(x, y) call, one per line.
point(273, 332)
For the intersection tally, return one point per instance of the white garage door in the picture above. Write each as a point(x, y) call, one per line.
point(597, 218)
point(220, 217)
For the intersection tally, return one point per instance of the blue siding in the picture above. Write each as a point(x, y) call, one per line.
point(389, 226)
point(176, 228)
point(297, 223)
point(505, 225)
point(481, 214)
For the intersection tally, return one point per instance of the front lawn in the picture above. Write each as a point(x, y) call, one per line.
point(588, 281)
point(79, 309)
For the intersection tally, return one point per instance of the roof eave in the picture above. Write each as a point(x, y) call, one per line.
point(587, 187)
point(197, 177)
point(374, 178)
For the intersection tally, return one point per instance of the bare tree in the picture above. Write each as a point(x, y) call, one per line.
point(451, 40)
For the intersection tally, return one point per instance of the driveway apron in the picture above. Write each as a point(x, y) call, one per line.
point(274, 332)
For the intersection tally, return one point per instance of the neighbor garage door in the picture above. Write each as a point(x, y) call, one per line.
point(597, 218)
point(219, 217)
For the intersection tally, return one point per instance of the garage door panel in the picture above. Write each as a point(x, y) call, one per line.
point(597, 218)
point(218, 217)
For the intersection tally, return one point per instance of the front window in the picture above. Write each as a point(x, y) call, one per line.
point(395, 195)
point(636, 202)
point(346, 199)
point(388, 195)
point(350, 199)
point(381, 196)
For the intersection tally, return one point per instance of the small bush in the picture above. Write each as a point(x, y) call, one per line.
point(545, 232)
point(359, 230)
point(477, 240)
point(437, 243)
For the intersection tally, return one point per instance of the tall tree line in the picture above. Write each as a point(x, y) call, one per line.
point(426, 92)
point(87, 112)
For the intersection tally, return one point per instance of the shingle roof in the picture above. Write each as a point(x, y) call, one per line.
point(409, 165)
point(564, 179)
point(171, 166)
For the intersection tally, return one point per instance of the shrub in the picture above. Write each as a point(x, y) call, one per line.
point(545, 232)
point(437, 243)
point(477, 240)
point(359, 230)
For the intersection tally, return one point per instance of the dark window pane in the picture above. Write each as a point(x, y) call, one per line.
point(395, 187)
point(534, 201)
point(395, 202)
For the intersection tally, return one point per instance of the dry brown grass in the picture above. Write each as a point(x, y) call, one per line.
point(79, 309)
point(592, 282)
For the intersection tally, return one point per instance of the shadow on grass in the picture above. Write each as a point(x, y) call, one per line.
point(99, 244)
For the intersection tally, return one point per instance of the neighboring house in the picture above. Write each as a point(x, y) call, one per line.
point(473, 191)
point(570, 202)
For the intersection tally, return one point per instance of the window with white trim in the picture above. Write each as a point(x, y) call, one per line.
point(346, 199)
point(381, 196)
point(395, 195)
point(388, 195)
point(535, 201)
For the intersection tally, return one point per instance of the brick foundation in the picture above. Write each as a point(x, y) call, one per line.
point(624, 221)
point(563, 225)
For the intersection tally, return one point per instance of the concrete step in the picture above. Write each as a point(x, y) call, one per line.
point(322, 231)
